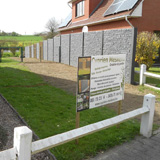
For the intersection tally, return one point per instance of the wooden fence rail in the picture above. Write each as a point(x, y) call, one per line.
point(144, 74)
point(24, 147)
point(8, 154)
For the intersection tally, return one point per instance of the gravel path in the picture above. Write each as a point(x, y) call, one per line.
point(9, 119)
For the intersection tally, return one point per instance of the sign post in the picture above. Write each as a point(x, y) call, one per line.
point(120, 107)
point(77, 123)
point(119, 110)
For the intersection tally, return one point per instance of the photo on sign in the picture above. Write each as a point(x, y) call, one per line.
point(83, 83)
point(83, 101)
point(84, 66)
point(84, 70)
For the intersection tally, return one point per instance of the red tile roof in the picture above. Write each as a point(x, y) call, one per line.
point(98, 17)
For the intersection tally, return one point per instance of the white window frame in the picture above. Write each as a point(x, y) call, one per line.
point(80, 9)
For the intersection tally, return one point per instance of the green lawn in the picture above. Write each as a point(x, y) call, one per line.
point(150, 80)
point(50, 111)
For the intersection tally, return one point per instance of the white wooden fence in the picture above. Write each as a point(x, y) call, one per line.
point(24, 147)
point(144, 74)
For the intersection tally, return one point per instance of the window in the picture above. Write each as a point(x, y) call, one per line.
point(80, 9)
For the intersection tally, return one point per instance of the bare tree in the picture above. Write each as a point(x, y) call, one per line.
point(52, 27)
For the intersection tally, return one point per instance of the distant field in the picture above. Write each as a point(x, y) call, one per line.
point(26, 40)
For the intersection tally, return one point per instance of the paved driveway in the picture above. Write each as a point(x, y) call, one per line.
point(138, 149)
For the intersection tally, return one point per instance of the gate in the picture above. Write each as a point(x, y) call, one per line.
point(7, 48)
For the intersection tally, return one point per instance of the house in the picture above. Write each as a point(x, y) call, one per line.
point(97, 15)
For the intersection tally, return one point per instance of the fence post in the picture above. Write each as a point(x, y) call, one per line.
point(102, 46)
point(23, 142)
point(21, 54)
point(83, 44)
point(53, 49)
point(147, 118)
point(142, 79)
point(0, 56)
point(60, 50)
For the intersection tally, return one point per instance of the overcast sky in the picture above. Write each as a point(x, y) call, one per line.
point(30, 16)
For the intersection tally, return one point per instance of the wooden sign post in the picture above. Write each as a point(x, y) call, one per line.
point(77, 123)
point(119, 107)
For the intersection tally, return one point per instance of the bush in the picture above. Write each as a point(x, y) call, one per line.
point(147, 48)
point(10, 54)
point(7, 54)
point(17, 54)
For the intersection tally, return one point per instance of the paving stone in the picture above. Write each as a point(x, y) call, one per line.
point(140, 148)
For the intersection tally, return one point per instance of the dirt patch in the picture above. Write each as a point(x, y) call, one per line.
point(65, 77)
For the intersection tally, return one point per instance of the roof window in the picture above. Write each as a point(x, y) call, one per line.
point(80, 9)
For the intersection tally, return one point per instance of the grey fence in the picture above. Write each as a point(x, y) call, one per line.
point(38, 51)
point(67, 48)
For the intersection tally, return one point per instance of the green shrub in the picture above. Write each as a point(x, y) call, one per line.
point(7, 54)
point(147, 48)
point(17, 54)
point(10, 54)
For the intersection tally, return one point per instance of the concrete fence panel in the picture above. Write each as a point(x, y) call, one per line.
point(120, 41)
point(76, 48)
point(50, 50)
point(92, 43)
point(67, 48)
point(65, 44)
point(45, 50)
point(32, 51)
point(27, 51)
point(35, 50)
point(56, 48)
point(37, 55)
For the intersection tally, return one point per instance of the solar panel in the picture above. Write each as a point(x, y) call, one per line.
point(66, 21)
point(117, 1)
point(112, 9)
point(127, 5)
point(119, 6)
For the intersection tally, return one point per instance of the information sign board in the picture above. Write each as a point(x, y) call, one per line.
point(100, 80)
